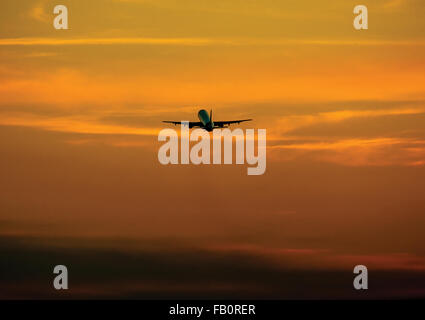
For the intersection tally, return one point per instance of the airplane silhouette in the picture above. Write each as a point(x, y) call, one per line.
point(207, 123)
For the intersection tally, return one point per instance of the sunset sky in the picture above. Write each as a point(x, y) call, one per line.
point(80, 182)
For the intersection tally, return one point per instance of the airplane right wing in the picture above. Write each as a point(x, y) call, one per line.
point(191, 123)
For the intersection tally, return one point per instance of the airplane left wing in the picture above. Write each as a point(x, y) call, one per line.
point(221, 124)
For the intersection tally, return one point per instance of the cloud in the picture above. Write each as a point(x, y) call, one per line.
point(38, 12)
point(110, 41)
point(41, 54)
point(394, 4)
point(202, 41)
point(74, 124)
point(290, 123)
point(351, 137)
point(355, 152)
point(154, 270)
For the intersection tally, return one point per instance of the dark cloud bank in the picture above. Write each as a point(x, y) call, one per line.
point(165, 271)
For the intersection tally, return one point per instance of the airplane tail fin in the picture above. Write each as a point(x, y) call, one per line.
point(211, 114)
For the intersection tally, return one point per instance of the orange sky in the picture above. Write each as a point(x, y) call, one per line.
point(80, 111)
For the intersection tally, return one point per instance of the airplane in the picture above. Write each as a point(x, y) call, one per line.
point(207, 123)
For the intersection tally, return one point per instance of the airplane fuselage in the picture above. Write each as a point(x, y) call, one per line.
point(206, 120)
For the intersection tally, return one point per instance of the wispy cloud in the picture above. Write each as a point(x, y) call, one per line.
point(41, 54)
point(38, 12)
point(108, 41)
point(73, 124)
point(394, 3)
point(290, 123)
point(201, 41)
point(383, 151)
point(342, 144)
